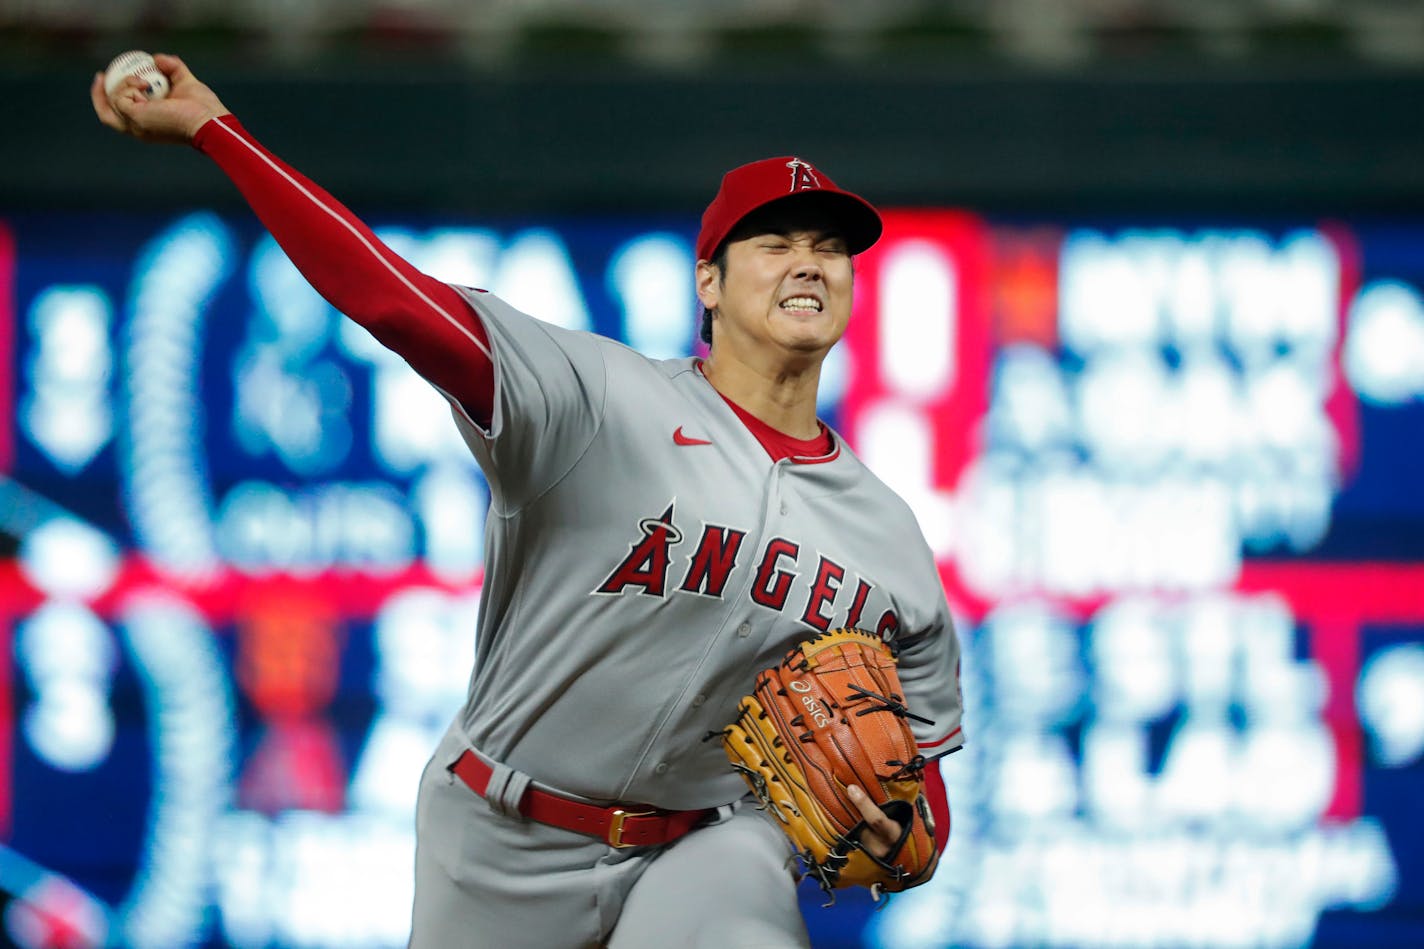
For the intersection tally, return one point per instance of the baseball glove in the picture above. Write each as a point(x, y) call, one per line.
point(830, 715)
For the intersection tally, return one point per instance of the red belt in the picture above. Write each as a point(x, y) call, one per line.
point(617, 825)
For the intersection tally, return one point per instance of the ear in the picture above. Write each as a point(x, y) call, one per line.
point(709, 284)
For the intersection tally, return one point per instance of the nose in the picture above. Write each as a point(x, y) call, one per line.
point(807, 267)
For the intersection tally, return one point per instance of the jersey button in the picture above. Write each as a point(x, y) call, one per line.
point(744, 630)
point(785, 509)
point(697, 700)
point(661, 768)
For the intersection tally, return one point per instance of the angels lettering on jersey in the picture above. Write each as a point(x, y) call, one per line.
point(804, 584)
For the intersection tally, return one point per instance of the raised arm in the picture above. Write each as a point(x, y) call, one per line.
point(423, 319)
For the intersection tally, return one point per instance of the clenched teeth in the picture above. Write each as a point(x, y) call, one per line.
point(801, 303)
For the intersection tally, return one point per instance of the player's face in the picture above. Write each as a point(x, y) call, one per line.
point(786, 286)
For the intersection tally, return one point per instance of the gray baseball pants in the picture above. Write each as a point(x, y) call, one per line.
point(486, 878)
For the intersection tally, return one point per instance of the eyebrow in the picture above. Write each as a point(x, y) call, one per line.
point(825, 235)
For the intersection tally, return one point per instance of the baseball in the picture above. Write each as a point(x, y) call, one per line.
point(135, 63)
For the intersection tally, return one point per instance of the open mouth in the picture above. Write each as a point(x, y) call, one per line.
point(801, 305)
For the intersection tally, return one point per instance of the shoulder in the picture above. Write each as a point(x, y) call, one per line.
point(503, 318)
point(886, 507)
point(867, 481)
point(495, 310)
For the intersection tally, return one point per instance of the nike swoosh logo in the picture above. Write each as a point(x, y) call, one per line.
point(680, 439)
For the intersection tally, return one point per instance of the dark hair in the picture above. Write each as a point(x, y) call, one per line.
point(719, 260)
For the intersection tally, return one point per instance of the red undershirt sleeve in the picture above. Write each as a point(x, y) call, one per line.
point(938, 799)
point(424, 320)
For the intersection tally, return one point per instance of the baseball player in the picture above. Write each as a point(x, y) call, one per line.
point(658, 532)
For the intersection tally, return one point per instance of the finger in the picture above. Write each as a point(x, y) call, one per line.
point(102, 108)
point(126, 100)
point(874, 817)
point(171, 66)
point(880, 831)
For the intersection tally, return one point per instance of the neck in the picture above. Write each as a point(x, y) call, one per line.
point(781, 395)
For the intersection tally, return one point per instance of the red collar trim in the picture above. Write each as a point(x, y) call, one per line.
point(816, 450)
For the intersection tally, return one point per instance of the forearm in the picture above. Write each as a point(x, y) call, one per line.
point(423, 319)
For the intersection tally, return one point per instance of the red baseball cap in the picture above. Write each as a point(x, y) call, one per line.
point(753, 186)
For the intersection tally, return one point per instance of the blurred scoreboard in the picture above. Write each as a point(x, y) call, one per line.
point(1173, 473)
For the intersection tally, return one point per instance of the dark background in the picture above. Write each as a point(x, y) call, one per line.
point(548, 135)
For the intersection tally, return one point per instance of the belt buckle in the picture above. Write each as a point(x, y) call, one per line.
point(615, 829)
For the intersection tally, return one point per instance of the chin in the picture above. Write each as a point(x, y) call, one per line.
point(807, 345)
point(809, 334)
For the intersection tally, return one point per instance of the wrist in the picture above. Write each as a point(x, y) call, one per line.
point(203, 127)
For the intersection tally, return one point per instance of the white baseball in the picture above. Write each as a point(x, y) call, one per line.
point(135, 63)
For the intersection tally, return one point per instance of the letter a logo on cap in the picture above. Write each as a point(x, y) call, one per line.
point(803, 176)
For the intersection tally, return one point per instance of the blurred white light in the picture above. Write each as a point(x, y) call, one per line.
point(72, 728)
point(1384, 350)
point(1286, 409)
point(1141, 288)
point(1192, 314)
point(652, 276)
point(72, 326)
point(165, 471)
point(1251, 292)
point(990, 526)
point(1206, 411)
point(835, 375)
point(291, 315)
point(320, 880)
point(1286, 776)
point(1075, 545)
point(1196, 514)
point(451, 505)
point(411, 424)
point(1116, 789)
point(1037, 676)
point(241, 877)
point(1122, 401)
point(1107, 300)
point(67, 412)
point(189, 703)
point(536, 275)
point(1275, 687)
point(425, 641)
point(69, 657)
point(1196, 778)
point(461, 256)
point(65, 640)
point(918, 307)
point(896, 443)
point(1035, 780)
point(394, 749)
point(1136, 676)
point(297, 410)
point(1308, 307)
point(263, 529)
point(1390, 696)
point(425, 648)
point(1030, 410)
point(66, 557)
point(1206, 653)
point(357, 342)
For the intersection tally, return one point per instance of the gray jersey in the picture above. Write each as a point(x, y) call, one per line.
point(645, 558)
